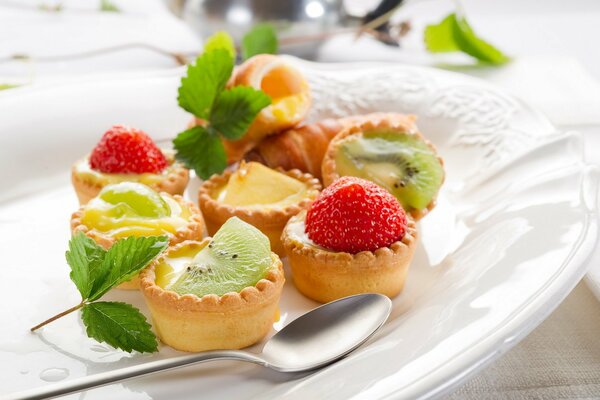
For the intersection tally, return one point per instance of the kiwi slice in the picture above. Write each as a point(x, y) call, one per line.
point(136, 199)
point(402, 163)
point(238, 256)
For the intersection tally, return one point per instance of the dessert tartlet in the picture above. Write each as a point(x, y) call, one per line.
point(390, 151)
point(261, 196)
point(290, 100)
point(221, 293)
point(127, 155)
point(355, 238)
point(134, 209)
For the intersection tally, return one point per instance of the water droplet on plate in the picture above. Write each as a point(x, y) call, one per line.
point(99, 349)
point(54, 374)
point(24, 371)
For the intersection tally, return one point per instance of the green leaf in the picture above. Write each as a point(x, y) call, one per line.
point(440, 38)
point(204, 81)
point(201, 149)
point(123, 260)
point(455, 34)
point(261, 39)
point(84, 257)
point(107, 5)
point(220, 40)
point(120, 325)
point(235, 110)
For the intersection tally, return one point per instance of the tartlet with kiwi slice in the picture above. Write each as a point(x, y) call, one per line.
point(221, 293)
point(390, 151)
point(134, 209)
point(259, 195)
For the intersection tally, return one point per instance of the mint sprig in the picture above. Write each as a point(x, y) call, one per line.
point(454, 33)
point(204, 82)
point(226, 113)
point(95, 271)
point(201, 149)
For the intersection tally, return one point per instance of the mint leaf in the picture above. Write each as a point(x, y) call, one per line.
point(84, 257)
point(201, 149)
point(455, 34)
point(123, 260)
point(235, 110)
point(261, 39)
point(204, 81)
point(120, 325)
point(220, 40)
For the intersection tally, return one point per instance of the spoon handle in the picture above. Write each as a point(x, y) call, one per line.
point(106, 378)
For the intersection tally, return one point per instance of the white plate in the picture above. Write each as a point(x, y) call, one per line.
point(509, 239)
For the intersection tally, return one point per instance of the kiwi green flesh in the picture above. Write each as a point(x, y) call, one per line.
point(135, 199)
point(238, 256)
point(402, 163)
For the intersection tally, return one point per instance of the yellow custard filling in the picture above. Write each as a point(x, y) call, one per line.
point(85, 172)
point(288, 91)
point(255, 186)
point(143, 213)
point(169, 270)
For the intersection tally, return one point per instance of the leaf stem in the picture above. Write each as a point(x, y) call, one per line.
point(57, 316)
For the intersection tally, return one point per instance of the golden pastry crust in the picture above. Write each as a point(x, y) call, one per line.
point(391, 122)
point(251, 73)
point(231, 321)
point(174, 183)
point(325, 275)
point(194, 230)
point(269, 221)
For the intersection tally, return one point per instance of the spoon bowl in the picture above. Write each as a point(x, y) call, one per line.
point(326, 333)
point(317, 338)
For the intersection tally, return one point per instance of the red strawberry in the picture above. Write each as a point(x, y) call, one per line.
point(125, 150)
point(353, 215)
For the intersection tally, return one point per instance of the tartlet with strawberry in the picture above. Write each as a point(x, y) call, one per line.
point(355, 238)
point(126, 154)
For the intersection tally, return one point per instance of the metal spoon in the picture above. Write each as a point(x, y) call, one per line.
point(315, 339)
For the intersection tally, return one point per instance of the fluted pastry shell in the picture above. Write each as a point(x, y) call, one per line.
point(174, 183)
point(231, 321)
point(194, 230)
point(391, 122)
point(269, 221)
point(324, 275)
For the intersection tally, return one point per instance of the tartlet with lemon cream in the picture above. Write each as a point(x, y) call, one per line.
point(133, 209)
point(263, 197)
point(221, 293)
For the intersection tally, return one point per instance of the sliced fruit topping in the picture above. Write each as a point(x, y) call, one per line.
point(136, 199)
point(125, 150)
point(254, 184)
point(403, 163)
point(353, 215)
point(238, 256)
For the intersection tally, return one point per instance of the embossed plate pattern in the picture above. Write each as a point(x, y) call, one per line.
point(515, 223)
